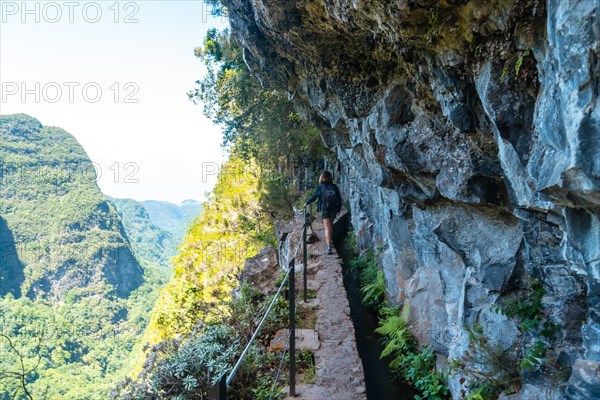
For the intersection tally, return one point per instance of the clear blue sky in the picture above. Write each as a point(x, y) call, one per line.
point(137, 50)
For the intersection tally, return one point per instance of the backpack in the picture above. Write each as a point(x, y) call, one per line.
point(330, 199)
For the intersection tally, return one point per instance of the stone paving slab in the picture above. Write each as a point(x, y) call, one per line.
point(306, 339)
point(339, 370)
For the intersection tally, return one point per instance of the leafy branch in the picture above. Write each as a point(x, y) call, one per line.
point(23, 373)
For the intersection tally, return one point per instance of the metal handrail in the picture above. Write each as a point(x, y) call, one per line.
point(264, 318)
point(279, 369)
point(300, 241)
point(219, 389)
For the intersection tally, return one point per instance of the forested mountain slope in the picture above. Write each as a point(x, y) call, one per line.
point(73, 297)
point(156, 228)
point(66, 234)
point(151, 243)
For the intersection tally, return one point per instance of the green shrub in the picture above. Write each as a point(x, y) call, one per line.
point(372, 280)
point(397, 337)
point(184, 368)
point(419, 369)
point(489, 367)
point(408, 362)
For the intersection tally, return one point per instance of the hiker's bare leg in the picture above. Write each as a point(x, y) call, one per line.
point(328, 229)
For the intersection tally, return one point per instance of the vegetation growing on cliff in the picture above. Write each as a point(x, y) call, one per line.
point(408, 362)
point(267, 143)
point(231, 228)
point(269, 147)
point(491, 370)
point(75, 299)
point(259, 124)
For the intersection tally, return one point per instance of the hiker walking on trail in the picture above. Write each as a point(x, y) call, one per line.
point(329, 204)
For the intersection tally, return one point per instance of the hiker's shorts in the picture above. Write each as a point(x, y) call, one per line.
point(328, 214)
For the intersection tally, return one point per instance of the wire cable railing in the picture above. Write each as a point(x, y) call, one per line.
point(219, 389)
point(278, 370)
point(264, 318)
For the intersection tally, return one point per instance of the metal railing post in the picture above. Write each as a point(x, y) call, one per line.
point(292, 297)
point(305, 255)
point(219, 389)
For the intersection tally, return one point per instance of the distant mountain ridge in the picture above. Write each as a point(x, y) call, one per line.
point(156, 228)
point(174, 218)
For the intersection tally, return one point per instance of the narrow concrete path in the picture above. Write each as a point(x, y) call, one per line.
point(339, 370)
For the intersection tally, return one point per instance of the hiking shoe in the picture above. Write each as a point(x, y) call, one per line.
point(328, 249)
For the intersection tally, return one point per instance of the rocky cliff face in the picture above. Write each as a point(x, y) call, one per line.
point(467, 137)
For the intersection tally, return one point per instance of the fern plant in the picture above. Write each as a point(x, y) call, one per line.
point(371, 279)
point(416, 367)
point(398, 339)
point(374, 292)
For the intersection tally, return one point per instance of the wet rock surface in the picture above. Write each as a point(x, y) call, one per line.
point(467, 139)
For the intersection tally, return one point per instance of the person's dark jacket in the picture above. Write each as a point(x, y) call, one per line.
point(317, 196)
